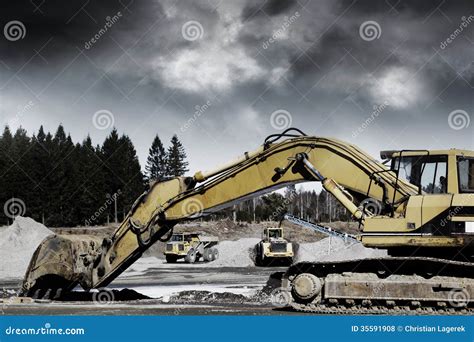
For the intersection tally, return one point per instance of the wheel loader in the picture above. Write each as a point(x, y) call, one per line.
point(416, 204)
point(191, 247)
point(273, 249)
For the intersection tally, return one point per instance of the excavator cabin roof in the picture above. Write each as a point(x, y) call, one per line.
point(389, 154)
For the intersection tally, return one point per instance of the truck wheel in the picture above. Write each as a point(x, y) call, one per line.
point(258, 260)
point(208, 254)
point(259, 257)
point(215, 253)
point(190, 258)
point(171, 259)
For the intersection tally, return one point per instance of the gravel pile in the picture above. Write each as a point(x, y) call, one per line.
point(235, 253)
point(334, 249)
point(17, 245)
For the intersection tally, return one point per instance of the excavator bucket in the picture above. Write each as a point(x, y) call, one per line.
point(60, 263)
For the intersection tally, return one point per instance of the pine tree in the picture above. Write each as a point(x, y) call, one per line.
point(156, 161)
point(62, 180)
point(6, 146)
point(176, 159)
point(132, 176)
point(91, 189)
point(122, 170)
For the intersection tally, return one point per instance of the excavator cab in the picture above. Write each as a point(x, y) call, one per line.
point(439, 220)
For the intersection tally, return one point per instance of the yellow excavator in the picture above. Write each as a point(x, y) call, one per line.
point(416, 204)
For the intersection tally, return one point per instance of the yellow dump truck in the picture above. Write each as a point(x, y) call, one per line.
point(192, 247)
point(273, 249)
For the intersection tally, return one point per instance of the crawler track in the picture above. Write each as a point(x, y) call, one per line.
point(395, 285)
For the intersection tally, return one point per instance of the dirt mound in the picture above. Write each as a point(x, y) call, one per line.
point(235, 253)
point(334, 249)
point(17, 245)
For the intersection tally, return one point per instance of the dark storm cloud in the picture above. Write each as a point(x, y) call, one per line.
point(248, 59)
point(65, 25)
point(270, 8)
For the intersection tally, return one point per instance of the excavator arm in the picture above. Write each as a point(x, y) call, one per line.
point(63, 261)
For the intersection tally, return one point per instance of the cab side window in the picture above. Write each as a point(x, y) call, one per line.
point(466, 174)
point(433, 177)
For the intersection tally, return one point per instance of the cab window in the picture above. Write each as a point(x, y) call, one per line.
point(177, 238)
point(274, 233)
point(427, 172)
point(466, 174)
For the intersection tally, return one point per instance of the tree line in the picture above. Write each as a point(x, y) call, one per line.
point(61, 183)
point(308, 205)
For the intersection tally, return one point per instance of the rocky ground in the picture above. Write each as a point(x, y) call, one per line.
point(231, 284)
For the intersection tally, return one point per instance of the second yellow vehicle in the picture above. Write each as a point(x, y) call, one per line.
point(273, 249)
point(192, 247)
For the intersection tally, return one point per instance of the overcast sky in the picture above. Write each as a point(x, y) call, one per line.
point(213, 72)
